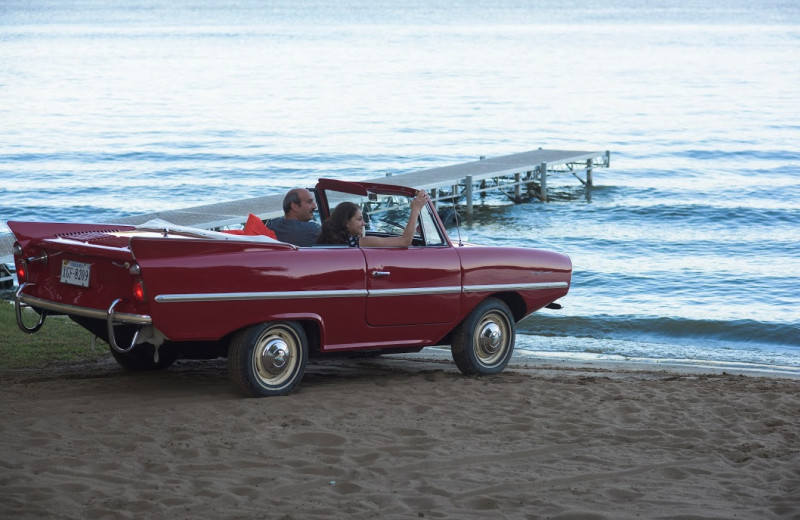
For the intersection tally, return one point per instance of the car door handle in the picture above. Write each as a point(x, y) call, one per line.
point(380, 274)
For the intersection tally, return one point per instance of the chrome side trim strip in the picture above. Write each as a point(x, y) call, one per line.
point(415, 291)
point(351, 293)
point(244, 296)
point(538, 286)
point(86, 312)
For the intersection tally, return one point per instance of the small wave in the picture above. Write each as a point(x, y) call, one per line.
point(724, 214)
point(774, 155)
point(90, 157)
point(663, 329)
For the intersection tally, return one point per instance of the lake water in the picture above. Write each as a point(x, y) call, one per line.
point(687, 249)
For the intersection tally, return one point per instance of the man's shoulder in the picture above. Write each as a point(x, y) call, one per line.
point(291, 223)
point(273, 222)
point(295, 231)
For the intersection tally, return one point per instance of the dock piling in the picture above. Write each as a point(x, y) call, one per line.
point(468, 193)
point(543, 182)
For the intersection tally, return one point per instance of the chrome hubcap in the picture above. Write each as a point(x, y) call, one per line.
point(274, 357)
point(490, 338)
point(491, 342)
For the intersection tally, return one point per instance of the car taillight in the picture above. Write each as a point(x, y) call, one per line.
point(139, 294)
point(22, 267)
point(22, 272)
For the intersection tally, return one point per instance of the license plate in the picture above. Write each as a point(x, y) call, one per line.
point(75, 273)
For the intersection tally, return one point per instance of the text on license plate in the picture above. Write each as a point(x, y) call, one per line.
point(75, 273)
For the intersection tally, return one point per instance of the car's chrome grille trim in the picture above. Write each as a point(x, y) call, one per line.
point(353, 293)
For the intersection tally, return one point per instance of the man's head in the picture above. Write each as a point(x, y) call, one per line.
point(299, 204)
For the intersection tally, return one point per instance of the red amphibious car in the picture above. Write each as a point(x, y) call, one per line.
point(160, 292)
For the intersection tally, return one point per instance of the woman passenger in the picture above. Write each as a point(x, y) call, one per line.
point(346, 226)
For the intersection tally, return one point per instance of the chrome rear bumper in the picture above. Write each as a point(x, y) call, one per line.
point(86, 312)
point(111, 317)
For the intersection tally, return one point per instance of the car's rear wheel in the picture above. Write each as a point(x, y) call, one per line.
point(268, 359)
point(484, 341)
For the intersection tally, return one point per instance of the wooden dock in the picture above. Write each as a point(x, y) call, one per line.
point(459, 183)
point(507, 174)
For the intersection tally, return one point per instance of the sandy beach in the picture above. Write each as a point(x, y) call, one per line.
point(399, 437)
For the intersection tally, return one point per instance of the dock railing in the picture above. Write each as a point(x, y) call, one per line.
point(507, 174)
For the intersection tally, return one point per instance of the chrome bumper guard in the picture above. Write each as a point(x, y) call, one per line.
point(18, 297)
point(111, 317)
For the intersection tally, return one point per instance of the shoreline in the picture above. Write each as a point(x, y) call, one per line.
point(543, 361)
point(683, 367)
point(530, 362)
point(546, 364)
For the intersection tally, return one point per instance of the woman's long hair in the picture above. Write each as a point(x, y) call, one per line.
point(334, 230)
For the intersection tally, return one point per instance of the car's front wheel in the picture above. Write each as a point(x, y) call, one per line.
point(484, 341)
point(268, 359)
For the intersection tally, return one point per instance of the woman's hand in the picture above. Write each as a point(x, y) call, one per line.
point(418, 202)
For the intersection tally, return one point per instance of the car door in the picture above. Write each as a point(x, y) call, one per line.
point(415, 285)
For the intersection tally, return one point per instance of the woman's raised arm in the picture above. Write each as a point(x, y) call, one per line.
point(417, 203)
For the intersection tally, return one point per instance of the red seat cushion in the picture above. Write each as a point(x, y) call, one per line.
point(255, 226)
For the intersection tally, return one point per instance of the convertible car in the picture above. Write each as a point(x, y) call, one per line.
point(160, 292)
